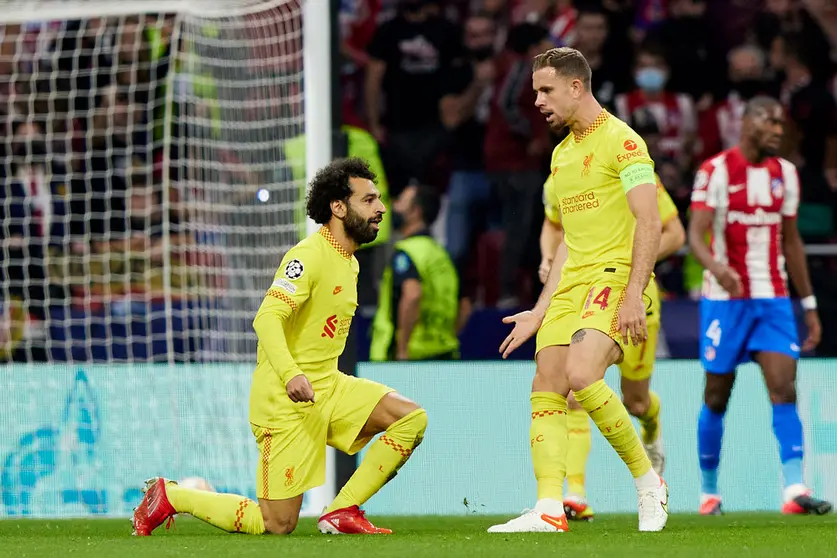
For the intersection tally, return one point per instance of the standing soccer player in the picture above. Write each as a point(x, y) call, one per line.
point(637, 365)
point(745, 199)
point(299, 401)
point(608, 200)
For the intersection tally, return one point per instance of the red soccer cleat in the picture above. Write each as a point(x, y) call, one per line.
point(349, 521)
point(154, 509)
point(710, 505)
point(805, 504)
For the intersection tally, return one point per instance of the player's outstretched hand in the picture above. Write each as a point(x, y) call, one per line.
point(812, 322)
point(730, 281)
point(299, 389)
point(526, 325)
point(632, 322)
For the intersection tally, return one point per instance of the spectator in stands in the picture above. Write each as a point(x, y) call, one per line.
point(811, 132)
point(418, 304)
point(685, 36)
point(358, 21)
point(464, 111)
point(674, 112)
point(610, 75)
point(410, 57)
point(720, 125)
point(517, 146)
point(34, 216)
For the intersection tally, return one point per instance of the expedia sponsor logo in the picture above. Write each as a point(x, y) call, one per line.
point(757, 219)
point(581, 202)
point(625, 157)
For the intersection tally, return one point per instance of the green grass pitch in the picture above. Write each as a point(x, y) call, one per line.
point(733, 535)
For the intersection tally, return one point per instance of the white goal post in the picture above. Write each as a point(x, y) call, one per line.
point(149, 193)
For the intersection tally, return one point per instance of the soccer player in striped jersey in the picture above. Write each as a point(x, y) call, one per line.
point(299, 401)
point(745, 201)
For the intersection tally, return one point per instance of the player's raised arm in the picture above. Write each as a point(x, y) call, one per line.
point(794, 251)
point(292, 285)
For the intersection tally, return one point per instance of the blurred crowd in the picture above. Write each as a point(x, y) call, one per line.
point(445, 89)
point(98, 197)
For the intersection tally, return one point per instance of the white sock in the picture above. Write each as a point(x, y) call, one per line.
point(550, 506)
point(647, 481)
point(794, 490)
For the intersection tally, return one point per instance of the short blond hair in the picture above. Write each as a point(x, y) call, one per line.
point(567, 62)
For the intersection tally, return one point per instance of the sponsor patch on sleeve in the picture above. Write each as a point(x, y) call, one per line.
point(284, 284)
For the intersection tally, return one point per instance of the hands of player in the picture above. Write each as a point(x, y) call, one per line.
point(543, 269)
point(812, 322)
point(300, 390)
point(729, 280)
point(632, 324)
point(526, 325)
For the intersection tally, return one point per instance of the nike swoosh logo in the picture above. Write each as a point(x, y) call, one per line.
point(736, 188)
point(559, 523)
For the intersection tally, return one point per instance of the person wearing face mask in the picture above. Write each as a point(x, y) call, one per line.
point(418, 298)
point(674, 113)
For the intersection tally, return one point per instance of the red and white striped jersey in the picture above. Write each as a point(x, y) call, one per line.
point(750, 203)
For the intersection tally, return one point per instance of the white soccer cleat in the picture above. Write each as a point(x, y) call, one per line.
point(533, 521)
point(656, 453)
point(653, 508)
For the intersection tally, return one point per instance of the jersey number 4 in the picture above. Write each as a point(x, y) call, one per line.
point(600, 298)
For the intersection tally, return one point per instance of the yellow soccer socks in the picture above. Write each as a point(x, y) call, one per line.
point(548, 441)
point(383, 460)
point(615, 424)
point(580, 440)
point(230, 512)
point(650, 422)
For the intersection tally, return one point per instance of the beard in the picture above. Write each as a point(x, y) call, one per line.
point(357, 228)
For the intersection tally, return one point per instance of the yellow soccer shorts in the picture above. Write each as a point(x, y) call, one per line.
point(292, 457)
point(638, 361)
point(586, 302)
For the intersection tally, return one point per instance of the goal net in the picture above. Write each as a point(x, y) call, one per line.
point(149, 197)
point(149, 193)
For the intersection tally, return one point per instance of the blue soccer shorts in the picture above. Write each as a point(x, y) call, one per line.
point(732, 330)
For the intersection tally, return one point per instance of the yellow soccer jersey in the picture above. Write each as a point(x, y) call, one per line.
point(665, 204)
point(303, 321)
point(552, 209)
point(587, 178)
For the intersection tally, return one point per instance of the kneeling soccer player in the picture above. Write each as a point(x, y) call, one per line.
point(299, 401)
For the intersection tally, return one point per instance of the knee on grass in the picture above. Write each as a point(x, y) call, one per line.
point(280, 526)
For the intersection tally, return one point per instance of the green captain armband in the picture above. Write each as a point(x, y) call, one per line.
point(636, 174)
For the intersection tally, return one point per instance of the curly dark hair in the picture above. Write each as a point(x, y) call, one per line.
point(331, 183)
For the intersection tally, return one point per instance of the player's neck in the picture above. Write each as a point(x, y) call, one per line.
point(584, 117)
point(339, 233)
point(752, 154)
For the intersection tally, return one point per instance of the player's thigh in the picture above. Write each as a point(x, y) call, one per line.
point(717, 391)
point(553, 338)
point(356, 416)
point(636, 369)
point(589, 355)
point(280, 516)
point(779, 370)
point(775, 344)
point(291, 456)
point(725, 327)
